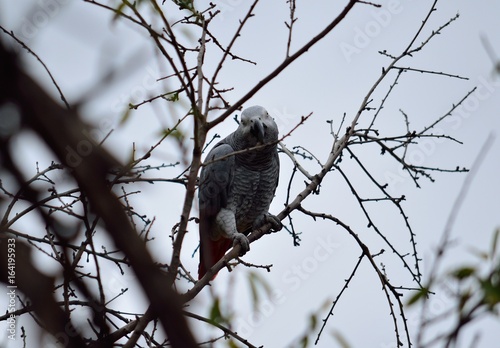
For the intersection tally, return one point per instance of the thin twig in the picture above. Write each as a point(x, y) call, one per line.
point(445, 237)
point(23, 45)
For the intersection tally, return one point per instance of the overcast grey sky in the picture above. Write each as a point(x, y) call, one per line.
point(79, 42)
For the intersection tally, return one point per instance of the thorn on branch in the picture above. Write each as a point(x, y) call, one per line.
point(369, 3)
point(251, 265)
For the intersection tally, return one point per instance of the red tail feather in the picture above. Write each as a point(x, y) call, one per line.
point(211, 252)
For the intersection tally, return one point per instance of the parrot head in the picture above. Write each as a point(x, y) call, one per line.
point(257, 126)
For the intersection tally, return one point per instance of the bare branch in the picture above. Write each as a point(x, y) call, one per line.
point(23, 45)
point(283, 65)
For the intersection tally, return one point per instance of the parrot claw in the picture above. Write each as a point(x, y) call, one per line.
point(242, 240)
point(276, 224)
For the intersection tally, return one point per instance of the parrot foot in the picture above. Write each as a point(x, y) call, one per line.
point(242, 240)
point(276, 224)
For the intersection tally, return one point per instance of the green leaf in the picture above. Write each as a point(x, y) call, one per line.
point(119, 11)
point(340, 339)
point(256, 282)
point(125, 116)
point(491, 292)
point(215, 313)
point(305, 341)
point(174, 133)
point(313, 321)
point(463, 273)
point(424, 292)
point(479, 254)
point(231, 344)
point(464, 298)
point(494, 243)
point(185, 5)
point(172, 97)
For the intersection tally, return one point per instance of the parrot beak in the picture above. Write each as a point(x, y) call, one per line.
point(258, 130)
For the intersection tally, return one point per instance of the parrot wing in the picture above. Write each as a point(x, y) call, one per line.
point(214, 189)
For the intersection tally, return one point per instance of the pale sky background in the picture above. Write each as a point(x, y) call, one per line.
point(79, 43)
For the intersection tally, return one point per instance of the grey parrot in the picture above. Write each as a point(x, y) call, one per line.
point(235, 193)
